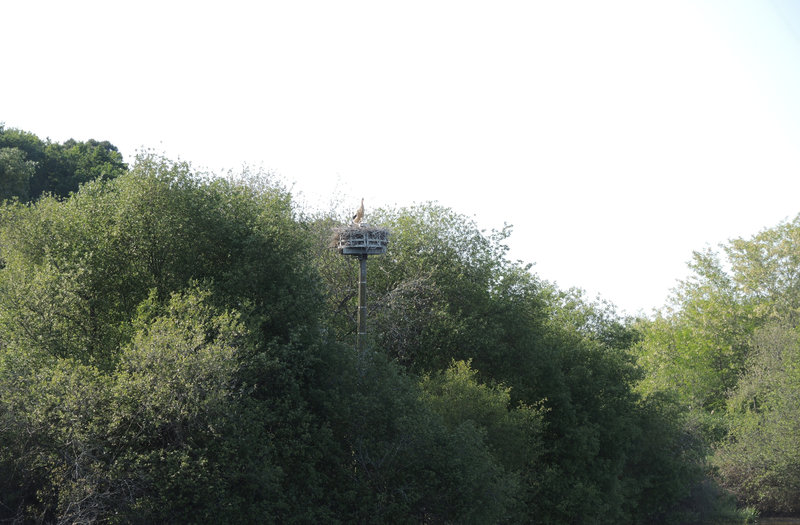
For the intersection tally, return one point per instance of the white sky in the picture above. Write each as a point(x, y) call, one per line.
point(616, 136)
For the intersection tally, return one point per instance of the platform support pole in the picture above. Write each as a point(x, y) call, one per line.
point(362, 303)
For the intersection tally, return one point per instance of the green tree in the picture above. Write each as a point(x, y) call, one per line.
point(513, 434)
point(28, 143)
point(760, 458)
point(53, 458)
point(166, 354)
point(725, 349)
point(179, 417)
point(445, 291)
point(764, 270)
point(15, 174)
point(143, 442)
point(699, 345)
point(181, 401)
point(163, 327)
point(59, 169)
point(403, 460)
point(76, 270)
point(696, 348)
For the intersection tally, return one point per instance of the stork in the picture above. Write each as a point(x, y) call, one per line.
point(359, 216)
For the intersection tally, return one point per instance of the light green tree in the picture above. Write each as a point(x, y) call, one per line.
point(726, 348)
point(760, 458)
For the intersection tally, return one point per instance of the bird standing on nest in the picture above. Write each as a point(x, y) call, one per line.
point(359, 216)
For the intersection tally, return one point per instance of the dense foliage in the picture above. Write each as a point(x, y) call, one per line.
point(140, 319)
point(30, 167)
point(728, 350)
point(179, 348)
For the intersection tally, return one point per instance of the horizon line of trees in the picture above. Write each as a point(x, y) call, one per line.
point(176, 347)
point(30, 167)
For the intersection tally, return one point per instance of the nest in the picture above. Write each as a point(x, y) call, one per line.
point(360, 239)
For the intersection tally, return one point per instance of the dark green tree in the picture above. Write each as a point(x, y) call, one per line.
point(59, 169)
point(178, 347)
point(15, 174)
point(180, 398)
point(162, 359)
point(446, 291)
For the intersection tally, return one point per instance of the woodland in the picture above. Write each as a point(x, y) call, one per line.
point(178, 347)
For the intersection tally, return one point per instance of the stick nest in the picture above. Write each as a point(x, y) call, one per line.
point(359, 238)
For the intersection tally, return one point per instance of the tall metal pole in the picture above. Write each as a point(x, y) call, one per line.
point(362, 303)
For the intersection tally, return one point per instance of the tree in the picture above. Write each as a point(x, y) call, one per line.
point(403, 459)
point(726, 350)
point(59, 169)
point(760, 458)
point(158, 327)
point(699, 346)
point(696, 349)
point(445, 292)
point(513, 434)
point(184, 312)
point(166, 354)
point(15, 174)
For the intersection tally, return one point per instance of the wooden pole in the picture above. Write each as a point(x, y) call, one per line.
point(362, 303)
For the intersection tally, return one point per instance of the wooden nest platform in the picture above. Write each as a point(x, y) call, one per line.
point(360, 240)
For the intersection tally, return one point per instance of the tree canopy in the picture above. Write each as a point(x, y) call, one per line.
point(727, 349)
point(30, 167)
point(178, 347)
